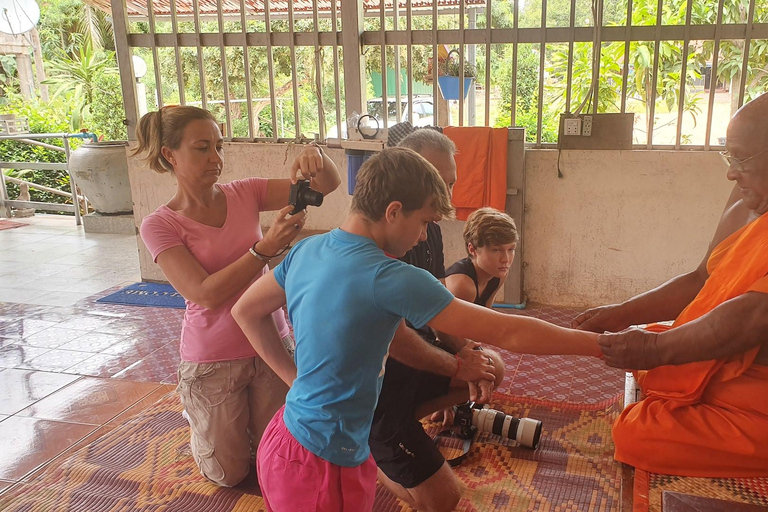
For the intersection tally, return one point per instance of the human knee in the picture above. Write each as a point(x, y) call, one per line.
point(224, 465)
point(230, 479)
point(446, 500)
point(499, 368)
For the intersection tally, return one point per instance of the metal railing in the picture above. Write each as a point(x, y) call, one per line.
point(355, 27)
point(30, 138)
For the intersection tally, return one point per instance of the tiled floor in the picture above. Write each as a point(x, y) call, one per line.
point(72, 369)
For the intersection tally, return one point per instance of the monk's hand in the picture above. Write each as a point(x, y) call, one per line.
point(474, 364)
point(599, 320)
point(631, 349)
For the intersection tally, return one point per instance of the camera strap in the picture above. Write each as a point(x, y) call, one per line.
point(467, 442)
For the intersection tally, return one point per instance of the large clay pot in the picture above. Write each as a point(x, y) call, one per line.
point(101, 171)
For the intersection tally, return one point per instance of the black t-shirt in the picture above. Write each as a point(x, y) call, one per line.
point(428, 255)
point(467, 268)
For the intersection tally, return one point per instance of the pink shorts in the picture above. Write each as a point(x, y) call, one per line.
point(293, 479)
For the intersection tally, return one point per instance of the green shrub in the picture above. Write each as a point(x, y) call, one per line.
point(107, 111)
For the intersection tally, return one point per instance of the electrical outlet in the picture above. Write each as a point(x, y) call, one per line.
point(572, 126)
point(586, 127)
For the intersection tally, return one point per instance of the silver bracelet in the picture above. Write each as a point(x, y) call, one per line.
point(258, 255)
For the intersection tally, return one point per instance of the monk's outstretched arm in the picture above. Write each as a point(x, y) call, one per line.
point(512, 332)
point(732, 328)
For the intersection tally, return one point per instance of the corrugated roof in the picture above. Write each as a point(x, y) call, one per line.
point(138, 8)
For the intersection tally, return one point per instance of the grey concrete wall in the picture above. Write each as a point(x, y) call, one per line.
point(618, 223)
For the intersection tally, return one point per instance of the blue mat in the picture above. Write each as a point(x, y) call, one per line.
point(146, 294)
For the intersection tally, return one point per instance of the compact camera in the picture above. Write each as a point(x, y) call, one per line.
point(471, 417)
point(302, 196)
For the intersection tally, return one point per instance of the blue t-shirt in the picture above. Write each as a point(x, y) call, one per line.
point(345, 299)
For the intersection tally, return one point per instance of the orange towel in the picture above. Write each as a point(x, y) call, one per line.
point(481, 166)
point(709, 418)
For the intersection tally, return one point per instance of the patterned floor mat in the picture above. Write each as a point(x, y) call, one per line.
point(145, 465)
point(649, 488)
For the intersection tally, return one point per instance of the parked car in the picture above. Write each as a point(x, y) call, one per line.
point(423, 113)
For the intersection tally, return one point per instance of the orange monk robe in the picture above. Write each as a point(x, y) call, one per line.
point(481, 168)
point(710, 418)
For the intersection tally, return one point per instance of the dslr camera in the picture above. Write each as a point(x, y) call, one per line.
point(471, 417)
point(302, 196)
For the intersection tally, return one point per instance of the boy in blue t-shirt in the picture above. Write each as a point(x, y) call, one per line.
point(346, 298)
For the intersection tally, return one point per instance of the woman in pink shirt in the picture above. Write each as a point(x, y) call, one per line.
point(208, 242)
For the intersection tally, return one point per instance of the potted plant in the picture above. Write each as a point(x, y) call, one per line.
point(449, 76)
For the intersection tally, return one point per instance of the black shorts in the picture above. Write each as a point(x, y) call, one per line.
point(401, 448)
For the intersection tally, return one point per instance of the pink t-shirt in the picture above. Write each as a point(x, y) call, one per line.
point(213, 335)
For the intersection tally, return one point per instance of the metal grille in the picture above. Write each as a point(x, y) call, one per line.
point(682, 66)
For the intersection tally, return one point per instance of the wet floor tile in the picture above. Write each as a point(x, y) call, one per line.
point(142, 404)
point(21, 388)
point(55, 360)
point(52, 337)
point(90, 438)
point(90, 400)
point(29, 442)
point(102, 365)
point(13, 356)
point(92, 342)
point(86, 323)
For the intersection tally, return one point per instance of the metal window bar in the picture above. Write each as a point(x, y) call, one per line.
point(224, 73)
point(247, 70)
point(271, 69)
point(337, 84)
point(462, 31)
point(200, 68)
point(654, 80)
point(488, 34)
point(515, 31)
point(745, 32)
point(569, 78)
point(598, 49)
point(409, 56)
point(155, 60)
point(713, 79)
point(383, 49)
point(294, 70)
point(318, 71)
point(177, 53)
point(435, 63)
point(625, 68)
point(745, 60)
point(542, 57)
point(398, 115)
point(683, 74)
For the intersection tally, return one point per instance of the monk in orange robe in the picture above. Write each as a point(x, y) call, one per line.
point(705, 411)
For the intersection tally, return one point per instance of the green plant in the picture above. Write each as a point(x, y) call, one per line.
point(107, 110)
point(77, 75)
point(451, 66)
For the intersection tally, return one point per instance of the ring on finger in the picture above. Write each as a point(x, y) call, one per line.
point(296, 226)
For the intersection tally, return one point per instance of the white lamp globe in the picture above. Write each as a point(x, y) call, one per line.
point(139, 66)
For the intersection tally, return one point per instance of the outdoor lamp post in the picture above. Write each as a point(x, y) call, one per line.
point(139, 70)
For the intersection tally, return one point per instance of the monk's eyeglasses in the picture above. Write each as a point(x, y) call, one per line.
point(736, 163)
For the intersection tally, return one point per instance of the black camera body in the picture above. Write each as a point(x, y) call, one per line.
point(302, 196)
point(471, 417)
